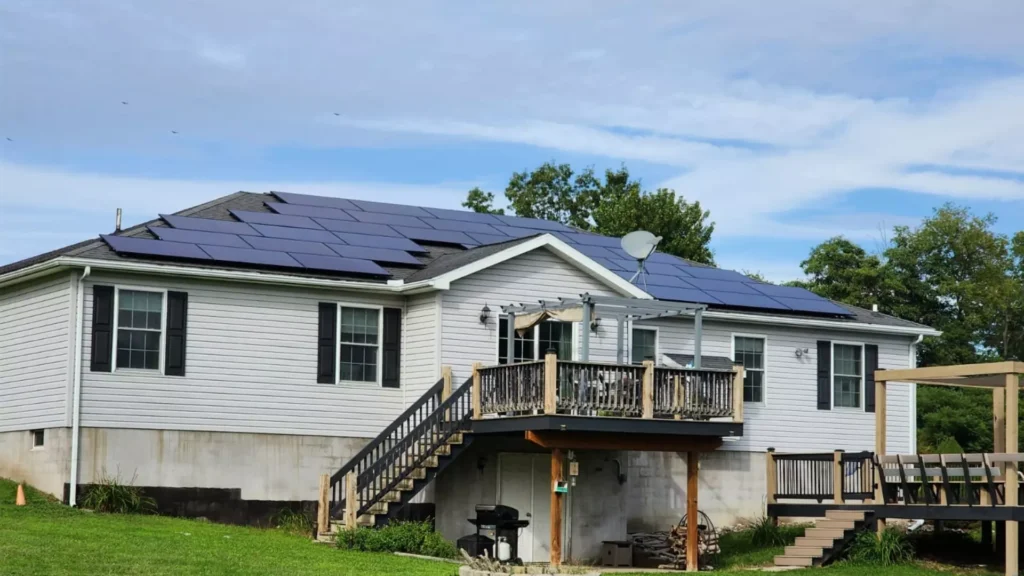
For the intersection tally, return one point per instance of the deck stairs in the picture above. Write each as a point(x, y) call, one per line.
point(396, 465)
point(821, 543)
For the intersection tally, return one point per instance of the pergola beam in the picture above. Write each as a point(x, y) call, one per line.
point(946, 372)
point(967, 382)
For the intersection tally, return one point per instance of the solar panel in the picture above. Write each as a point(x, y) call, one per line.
point(819, 305)
point(594, 251)
point(611, 265)
point(395, 209)
point(295, 233)
point(532, 223)
point(197, 237)
point(662, 280)
point(750, 301)
point(307, 200)
point(357, 227)
point(517, 232)
point(681, 294)
point(300, 210)
point(390, 219)
point(667, 269)
point(783, 291)
point(488, 238)
point(463, 215)
point(716, 286)
point(282, 245)
point(377, 254)
point(380, 242)
point(150, 247)
point(592, 240)
point(208, 225)
point(713, 273)
point(250, 256)
point(275, 219)
point(431, 235)
point(460, 226)
point(663, 258)
point(339, 264)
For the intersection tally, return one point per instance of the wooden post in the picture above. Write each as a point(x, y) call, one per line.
point(550, 383)
point(351, 500)
point(648, 390)
point(476, 390)
point(880, 410)
point(556, 507)
point(446, 389)
point(677, 397)
point(771, 483)
point(737, 393)
point(692, 518)
point(837, 477)
point(1011, 482)
point(323, 520)
point(998, 447)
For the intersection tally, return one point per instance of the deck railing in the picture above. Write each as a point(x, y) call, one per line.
point(553, 386)
point(838, 476)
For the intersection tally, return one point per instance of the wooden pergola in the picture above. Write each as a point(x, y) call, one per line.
point(1003, 378)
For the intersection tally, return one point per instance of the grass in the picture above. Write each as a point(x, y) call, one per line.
point(46, 538)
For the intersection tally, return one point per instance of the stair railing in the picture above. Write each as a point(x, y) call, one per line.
point(395, 441)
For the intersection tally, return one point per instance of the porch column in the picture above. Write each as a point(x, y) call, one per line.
point(692, 518)
point(556, 507)
point(1012, 414)
point(998, 447)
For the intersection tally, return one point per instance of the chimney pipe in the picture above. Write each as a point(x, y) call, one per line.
point(874, 307)
point(117, 222)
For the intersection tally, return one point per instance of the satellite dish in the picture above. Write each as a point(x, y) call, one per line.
point(640, 245)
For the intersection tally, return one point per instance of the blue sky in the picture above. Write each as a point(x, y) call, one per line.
point(791, 121)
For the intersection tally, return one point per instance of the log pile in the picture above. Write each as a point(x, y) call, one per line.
point(668, 549)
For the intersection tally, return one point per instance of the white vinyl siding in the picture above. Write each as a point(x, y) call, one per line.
point(420, 344)
point(36, 327)
point(251, 367)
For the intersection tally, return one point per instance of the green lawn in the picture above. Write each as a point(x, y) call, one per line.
point(46, 538)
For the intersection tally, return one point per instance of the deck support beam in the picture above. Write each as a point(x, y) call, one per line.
point(880, 435)
point(556, 507)
point(1012, 400)
point(692, 518)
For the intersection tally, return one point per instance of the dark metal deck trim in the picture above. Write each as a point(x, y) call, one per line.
point(505, 425)
point(906, 512)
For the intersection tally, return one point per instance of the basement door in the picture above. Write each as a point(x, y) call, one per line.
point(524, 483)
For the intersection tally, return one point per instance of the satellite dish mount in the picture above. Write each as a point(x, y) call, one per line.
point(640, 245)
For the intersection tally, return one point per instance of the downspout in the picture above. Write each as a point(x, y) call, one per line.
point(77, 393)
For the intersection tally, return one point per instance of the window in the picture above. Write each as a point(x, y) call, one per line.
point(749, 351)
point(645, 345)
point(360, 329)
point(38, 438)
point(139, 329)
point(847, 375)
point(534, 343)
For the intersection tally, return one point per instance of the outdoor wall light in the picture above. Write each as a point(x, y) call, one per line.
point(485, 313)
point(801, 352)
point(595, 324)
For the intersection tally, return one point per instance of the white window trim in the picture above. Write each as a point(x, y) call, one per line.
point(163, 327)
point(764, 366)
point(537, 355)
point(832, 378)
point(337, 344)
point(32, 439)
point(628, 355)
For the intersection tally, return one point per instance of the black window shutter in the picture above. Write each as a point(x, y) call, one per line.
point(177, 322)
point(824, 375)
point(325, 346)
point(391, 362)
point(102, 328)
point(870, 365)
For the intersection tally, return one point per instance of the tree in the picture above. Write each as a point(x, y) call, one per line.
point(613, 207)
point(843, 271)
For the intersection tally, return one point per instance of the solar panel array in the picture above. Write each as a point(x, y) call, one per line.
point(360, 236)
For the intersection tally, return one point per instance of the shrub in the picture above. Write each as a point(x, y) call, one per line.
point(765, 532)
point(109, 494)
point(293, 522)
point(408, 537)
point(890, 548)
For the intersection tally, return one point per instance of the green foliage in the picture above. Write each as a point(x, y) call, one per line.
point(840, 270)
point(614, 207)
point(949, 446)
point(409, 537)
point(745, 548)
point(890, 548)
point(112, 495)
point(293, 522)
point(958, 414)
point(766, 532)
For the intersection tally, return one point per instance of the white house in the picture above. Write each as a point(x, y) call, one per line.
point(255, 342)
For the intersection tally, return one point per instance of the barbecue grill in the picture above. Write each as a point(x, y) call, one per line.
point(493, 522)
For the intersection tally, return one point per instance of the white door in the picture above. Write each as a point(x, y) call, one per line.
point(524, 484)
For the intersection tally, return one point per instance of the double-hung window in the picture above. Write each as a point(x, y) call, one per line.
point(749, 351)
point(140, 316)
point(644, 345)
point(534, 343)
point(847, 375)
point(359, 344)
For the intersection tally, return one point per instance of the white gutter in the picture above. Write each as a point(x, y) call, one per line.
point(920, 332)
point(77, 394)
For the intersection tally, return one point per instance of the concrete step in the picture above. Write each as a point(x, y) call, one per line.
point(793, 561)
point(824, 533)
point(835, 524)
point(798, 551)
point(851, 515)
